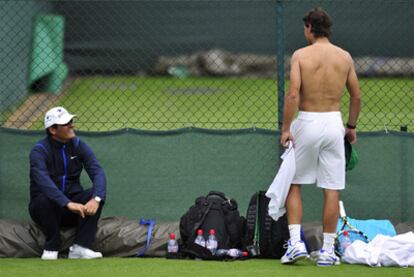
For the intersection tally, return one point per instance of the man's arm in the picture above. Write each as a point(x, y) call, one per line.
point(352, 85)
point(39, 174)
point(97, 176)
point(77, 208)
point(291, 99)
point(94, 170)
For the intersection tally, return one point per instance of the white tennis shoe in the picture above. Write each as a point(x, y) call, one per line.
point(326, 258)
point(49, 255)
point(79, 252)
point(295, 252)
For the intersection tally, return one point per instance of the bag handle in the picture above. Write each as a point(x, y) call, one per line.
point(217, 193)
point(151, 224)
point(229, 202)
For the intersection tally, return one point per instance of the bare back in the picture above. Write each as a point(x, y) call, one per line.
point(324, 70)
point(319, 74)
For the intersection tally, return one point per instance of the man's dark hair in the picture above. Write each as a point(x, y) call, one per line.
point(320, 21)
point(54, 126)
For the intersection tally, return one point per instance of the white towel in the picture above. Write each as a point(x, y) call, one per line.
point(382, 251)
point(280, 186)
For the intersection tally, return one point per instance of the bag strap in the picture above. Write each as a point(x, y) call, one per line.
point(196, 251)
point(151, 223)
point(256, 238)
point(198, 223)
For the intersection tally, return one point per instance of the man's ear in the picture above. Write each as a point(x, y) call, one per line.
point(52, 130)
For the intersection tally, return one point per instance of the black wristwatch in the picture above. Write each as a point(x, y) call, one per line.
point(349, 126)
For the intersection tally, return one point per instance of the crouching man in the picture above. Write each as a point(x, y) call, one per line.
point(56, 197)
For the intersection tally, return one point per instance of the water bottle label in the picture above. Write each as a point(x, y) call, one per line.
point(212, 245)
point(234, 253)
point(200, 241)
point(172, 249)
point(172, 246)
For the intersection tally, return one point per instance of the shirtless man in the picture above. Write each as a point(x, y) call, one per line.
point(318, 76)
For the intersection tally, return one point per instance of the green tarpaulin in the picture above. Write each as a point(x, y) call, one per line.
point(157, 174)
point(47, 63)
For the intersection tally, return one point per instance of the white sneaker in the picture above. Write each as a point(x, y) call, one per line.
point(294, 252)
point(49, 255)
point(326, 258)
point(79, 252)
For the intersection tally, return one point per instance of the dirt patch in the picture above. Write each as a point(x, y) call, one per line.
point(34, 107)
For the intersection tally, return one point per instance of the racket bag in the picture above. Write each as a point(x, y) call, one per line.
point(265, 237)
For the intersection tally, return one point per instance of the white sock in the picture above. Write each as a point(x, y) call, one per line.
point(294, 231)
point(328, 242)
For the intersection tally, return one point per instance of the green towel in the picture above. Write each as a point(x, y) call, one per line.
point(351, 156)
point(47, 53)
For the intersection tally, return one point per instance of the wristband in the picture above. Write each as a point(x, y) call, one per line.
point(349, 126)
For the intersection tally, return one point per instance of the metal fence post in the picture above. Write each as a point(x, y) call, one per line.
point(280, 60)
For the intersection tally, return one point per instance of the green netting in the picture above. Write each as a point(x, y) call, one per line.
point(159, 174)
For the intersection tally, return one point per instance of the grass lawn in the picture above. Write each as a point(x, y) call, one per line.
point(162, 103)
point(163, 267)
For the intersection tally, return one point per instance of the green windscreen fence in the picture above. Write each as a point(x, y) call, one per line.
point(158, 174)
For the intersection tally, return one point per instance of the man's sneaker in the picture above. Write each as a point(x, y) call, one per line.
point(326, 258)
point(295, 252)
point(49, 255)
point(79, 252)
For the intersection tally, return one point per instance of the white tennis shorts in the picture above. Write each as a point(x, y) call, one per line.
point(319, 149)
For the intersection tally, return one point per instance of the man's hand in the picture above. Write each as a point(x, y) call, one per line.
point(285, 138)
point(76, 208)
point(351, 135)
point(91, 207)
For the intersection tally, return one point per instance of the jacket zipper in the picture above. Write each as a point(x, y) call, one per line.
point(64, 168)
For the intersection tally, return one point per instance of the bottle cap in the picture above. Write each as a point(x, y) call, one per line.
point(199, 232)
point(212, 232)
point(172, 236)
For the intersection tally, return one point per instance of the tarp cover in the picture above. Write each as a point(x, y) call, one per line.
point(121, 237)
point(116, 237)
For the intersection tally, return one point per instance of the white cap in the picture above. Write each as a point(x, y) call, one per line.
point(57, 115)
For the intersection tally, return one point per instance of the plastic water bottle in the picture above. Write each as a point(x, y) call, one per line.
point(212, 242)
point(200, 239)
point(172, 246)
point(232, 252)
point(345, 242)
point(221, 252)
point(236, 253)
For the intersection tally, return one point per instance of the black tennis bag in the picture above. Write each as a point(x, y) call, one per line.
point(265, 237)
point(214, 211)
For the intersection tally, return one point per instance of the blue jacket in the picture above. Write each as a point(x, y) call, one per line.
point(55, 170)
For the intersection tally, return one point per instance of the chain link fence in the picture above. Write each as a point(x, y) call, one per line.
point(162, 65)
